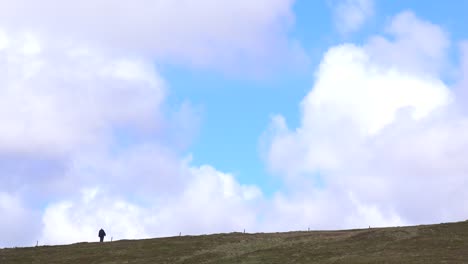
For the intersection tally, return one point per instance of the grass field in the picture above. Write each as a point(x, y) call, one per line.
point(443, 243)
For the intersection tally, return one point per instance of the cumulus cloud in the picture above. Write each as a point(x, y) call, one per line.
point(57, 97)
point(413, 45)
point(58, 102)
point(205, 205)
point(205, 33)
point(350, 15)
point(381, 141)
point(62, 101)
point(86, 143)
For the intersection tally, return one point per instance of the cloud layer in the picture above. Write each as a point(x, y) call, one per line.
point(204, 204)
point(205, 33)
point(381, 141)
point(86, 141)
point(58, 97)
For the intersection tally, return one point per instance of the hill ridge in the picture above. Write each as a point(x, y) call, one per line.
point(446, 242)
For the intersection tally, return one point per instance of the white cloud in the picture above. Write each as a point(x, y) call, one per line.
point(381, 141)
point(56, 97)
point(206, 33)
point(350, 15)
point(86, 140)
point(78, 221)
point(325, 210)
point(63, 104)
point(15, 224)
point(85, 144)
point(210, 202)
point(84, 133)
point(414, 45)
point(461, 89)
point(376, 94)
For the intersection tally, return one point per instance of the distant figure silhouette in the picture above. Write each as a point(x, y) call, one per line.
point(101, 235)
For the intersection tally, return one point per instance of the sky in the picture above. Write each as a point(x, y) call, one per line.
point(154, 118)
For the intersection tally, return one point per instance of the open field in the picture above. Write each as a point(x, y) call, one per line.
point(443, 243)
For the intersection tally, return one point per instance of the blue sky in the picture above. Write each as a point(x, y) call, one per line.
point(235, 112)
point(267, 115)
point(235, 109)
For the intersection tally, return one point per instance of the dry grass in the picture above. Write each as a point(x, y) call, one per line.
point(444, 243)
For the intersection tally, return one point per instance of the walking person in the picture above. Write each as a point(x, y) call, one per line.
point(101, 235)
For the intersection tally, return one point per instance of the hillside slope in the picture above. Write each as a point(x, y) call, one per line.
point(443, 243)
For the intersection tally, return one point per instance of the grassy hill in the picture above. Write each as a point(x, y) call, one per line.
point(443, 243)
